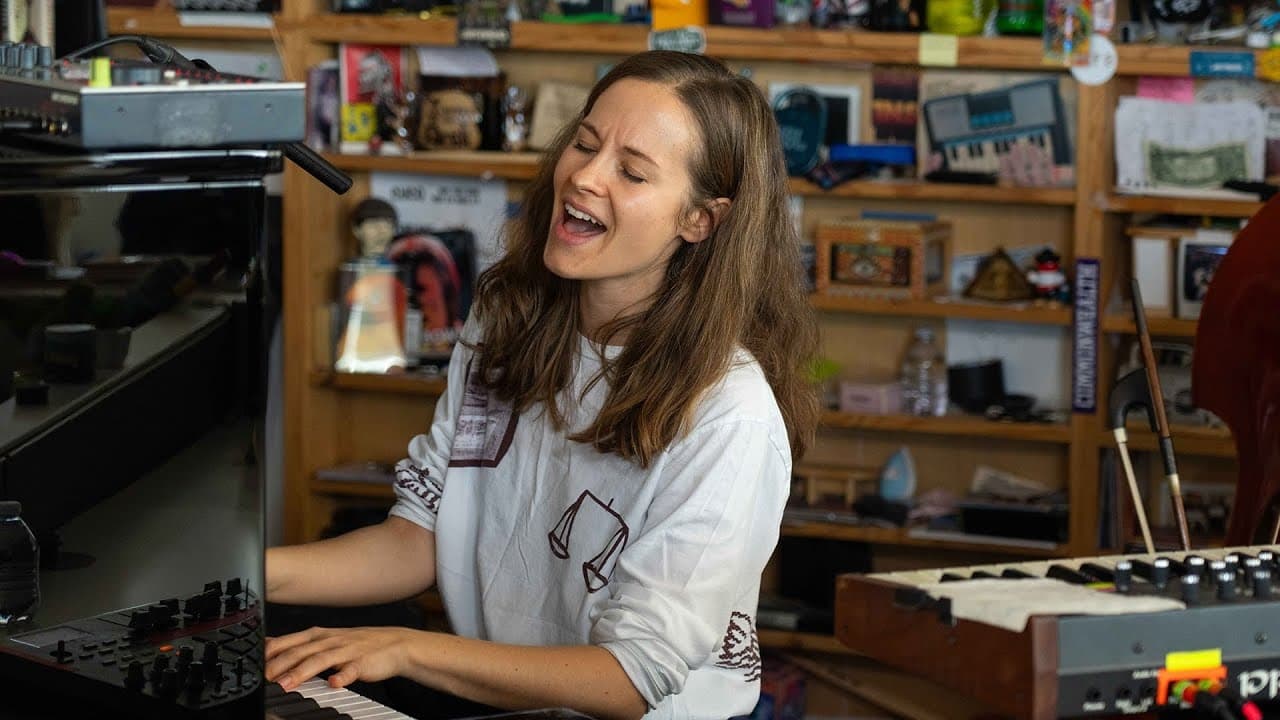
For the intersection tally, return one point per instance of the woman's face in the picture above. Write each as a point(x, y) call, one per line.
point(621, 193)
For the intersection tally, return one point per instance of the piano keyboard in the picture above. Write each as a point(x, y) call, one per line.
point(1145, 572)
point(984, 155)
point(315, 700)
point(973, 132)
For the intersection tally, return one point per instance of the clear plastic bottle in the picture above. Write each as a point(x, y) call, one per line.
point(19, 566)
point(924, 376)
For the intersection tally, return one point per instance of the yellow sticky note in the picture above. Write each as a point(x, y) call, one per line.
point(1193, 660)
point(938, 50)
point(1269, 65)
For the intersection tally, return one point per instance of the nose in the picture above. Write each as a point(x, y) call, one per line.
point(589, 175)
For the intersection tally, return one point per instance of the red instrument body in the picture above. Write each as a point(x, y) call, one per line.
point(1236, 369)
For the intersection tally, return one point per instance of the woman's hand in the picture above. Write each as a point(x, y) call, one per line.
point(369, 654)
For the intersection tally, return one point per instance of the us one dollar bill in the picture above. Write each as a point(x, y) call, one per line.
point(1206, 167)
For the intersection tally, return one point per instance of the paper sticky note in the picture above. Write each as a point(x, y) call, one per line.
point(1172, 89)
point(938, 50)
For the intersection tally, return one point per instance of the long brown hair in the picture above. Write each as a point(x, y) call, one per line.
point(741, 287)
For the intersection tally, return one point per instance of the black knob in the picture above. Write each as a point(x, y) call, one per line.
point(168, 682)
point(1226, 586)
point(27, 60)
point(1196, 566)
point(1251, 566)
point(1160, 573)
point(185, 655)
point(232, 604)
point(159, 665)
point(234, 587)
point(44, 56)
point(140, 621)
point(215, 587)
point(1267, 557)
point(210, 654)
point(1191, 589)
point(195, 676)
point(134, 678)
point(1216, 568)
point(1123, 576)
point(1262, 584)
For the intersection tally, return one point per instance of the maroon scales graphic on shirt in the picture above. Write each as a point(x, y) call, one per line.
point(606, 532)
point(740, 648)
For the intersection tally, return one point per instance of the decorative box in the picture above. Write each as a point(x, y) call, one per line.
point(866, 398)
point(887, 259)
point(753, 13)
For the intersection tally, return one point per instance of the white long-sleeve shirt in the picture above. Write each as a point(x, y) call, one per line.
point(544, 541)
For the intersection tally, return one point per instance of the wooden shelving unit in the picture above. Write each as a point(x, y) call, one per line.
point(1191, 441)
point(408, 384)
point(902, 537)
point(801, 641)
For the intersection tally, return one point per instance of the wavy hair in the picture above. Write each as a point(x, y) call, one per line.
point(741, 287)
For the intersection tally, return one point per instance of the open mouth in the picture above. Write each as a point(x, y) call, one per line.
point(579, 224)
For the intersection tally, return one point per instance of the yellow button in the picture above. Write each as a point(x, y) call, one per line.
point(100, 72)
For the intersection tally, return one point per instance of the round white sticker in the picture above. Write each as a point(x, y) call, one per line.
point(1102, 62)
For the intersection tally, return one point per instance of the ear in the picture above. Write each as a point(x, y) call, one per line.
point(704, 221)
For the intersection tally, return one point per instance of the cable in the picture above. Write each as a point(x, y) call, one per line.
point(156, 51)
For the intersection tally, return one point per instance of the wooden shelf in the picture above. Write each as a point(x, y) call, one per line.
point(1198, 441)
point(801, 641)
point(1120, 202)
point(902, 537)
point(1157, 326)
point(510, 166)
point(371, 382)
point(960, 425)
point(1174, 60)
point(939, 308)
point(795, 45)
point(946, 192)
point(165, 23)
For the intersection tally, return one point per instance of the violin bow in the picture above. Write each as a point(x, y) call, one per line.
point(1165, 440)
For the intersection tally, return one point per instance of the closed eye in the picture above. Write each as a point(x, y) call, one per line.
point(631, 177)
point(583, 148)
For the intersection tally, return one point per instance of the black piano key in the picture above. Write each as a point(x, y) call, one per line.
point(1098, 572)
point(950, 577)
point(284, 699)
point(982, 575)
point(325, 713)
point(1064, 573)
point(1015, 574)
point(272, 690)
point(288, 710)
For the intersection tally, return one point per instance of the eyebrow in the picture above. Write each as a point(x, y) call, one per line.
point(625, 148)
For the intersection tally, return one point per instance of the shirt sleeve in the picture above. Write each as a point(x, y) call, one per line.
point(705, 541)
point(420, 478)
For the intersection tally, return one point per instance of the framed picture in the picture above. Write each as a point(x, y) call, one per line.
point(844, 109)
point(1198, 259)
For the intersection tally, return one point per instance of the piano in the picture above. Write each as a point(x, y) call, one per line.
point(972, 132)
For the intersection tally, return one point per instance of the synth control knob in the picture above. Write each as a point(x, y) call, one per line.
point(44, 56)
point(1123, 576)
point(1251, 566)
point(168, 685)
point(1226, 586)
point(27, 60)
point(1160, 573)
point(13, 56)
point(185, 655)
point(1191, 589)
point(1216, 568)
point(1261, 584)
point(234, 587)
point(134, 678)
point(1196, 566)
point(213, 672)
point(61, 653)
point(195, 677)
point(159, 665)
point(231, 604)
point(1267, 557)
point(210, 653)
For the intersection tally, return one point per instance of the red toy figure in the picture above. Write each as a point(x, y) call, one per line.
point(1048, 279)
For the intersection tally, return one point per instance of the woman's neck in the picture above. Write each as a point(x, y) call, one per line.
point(600, 304)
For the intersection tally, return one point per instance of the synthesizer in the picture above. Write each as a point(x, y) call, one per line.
point(1220, 631)
point(315, 700)
point(972, 132)
point(107, 104)
point(198, 659)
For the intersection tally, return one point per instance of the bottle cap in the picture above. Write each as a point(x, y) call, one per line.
point(10, 509)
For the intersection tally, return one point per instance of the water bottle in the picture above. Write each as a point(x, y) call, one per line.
point(19, 565)
point(924, 376)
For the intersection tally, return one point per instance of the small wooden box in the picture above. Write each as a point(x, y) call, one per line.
point(893, 260)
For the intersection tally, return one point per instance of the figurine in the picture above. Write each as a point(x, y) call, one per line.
point(373, 225)
point(1048, 280)
point(515, 119)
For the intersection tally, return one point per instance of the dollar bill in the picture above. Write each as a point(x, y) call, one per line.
point(1206, 167)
